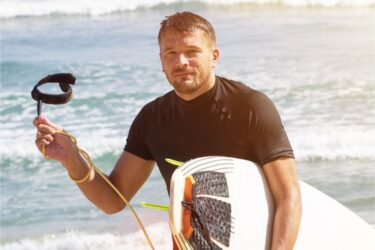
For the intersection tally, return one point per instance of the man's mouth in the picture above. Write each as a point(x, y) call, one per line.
point(183, 73)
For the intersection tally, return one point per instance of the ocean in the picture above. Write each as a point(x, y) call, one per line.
point(314, 58)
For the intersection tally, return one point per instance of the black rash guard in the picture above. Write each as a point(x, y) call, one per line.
point(230, 119)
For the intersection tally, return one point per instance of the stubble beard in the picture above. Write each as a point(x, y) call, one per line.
point(187, 85)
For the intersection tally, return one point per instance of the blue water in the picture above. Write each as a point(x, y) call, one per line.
point(315, 63)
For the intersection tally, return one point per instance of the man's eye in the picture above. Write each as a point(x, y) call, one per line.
point(192, 52)
point(169, 53)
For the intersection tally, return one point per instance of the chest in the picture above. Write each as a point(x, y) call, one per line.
point(187, 134)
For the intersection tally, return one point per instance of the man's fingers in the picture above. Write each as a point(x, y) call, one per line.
point(41, 119)
point(41, 142)
point(38, 120)
point(45, 129)
point(49, 123)
point(45, 136)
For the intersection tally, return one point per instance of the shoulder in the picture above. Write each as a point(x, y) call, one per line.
point(233, 87)
point(159, 104)
point(152, 113)
point(239, 93)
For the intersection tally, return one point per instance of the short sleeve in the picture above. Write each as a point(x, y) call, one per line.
point(135, 142)
point(266, 133)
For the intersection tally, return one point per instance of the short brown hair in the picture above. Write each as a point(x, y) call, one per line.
point(186, 22)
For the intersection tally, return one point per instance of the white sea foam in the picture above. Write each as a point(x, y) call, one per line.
point(15, 8)
point(309, 143)
point(75, 240)
point(333, 143)
point(102, 130)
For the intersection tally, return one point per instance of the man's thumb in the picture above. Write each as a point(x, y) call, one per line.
point(44, 120)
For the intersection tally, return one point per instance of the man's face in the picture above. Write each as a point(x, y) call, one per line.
point(188, 60)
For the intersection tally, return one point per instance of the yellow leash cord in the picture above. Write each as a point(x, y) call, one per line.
point(97, 170)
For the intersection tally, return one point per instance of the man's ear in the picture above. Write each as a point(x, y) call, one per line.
point(215, 57)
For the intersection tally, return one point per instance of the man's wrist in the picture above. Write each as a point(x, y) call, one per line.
point(74, 162)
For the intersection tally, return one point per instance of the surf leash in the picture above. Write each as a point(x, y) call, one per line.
point(154, 206)
point(174, 162)
point(65, 80)
point(160, 206)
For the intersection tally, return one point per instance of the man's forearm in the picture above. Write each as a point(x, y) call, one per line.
point(95, 188)
point(286, 223)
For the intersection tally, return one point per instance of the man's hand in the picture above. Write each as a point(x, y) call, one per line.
point(58, 147)
point(128, 175)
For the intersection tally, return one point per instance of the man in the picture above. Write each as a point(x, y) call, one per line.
point(204, 115)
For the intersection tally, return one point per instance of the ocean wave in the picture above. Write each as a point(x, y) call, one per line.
point(333, 143)
point(75, 240)
point(102, 129)
point(309, 144)
point(25, 8)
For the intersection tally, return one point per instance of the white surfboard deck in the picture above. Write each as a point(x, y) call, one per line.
point(325, 223)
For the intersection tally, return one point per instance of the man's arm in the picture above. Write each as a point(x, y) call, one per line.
point(128, 175)
point(283, 182)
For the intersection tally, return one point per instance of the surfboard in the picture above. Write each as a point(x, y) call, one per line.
point(225, 203)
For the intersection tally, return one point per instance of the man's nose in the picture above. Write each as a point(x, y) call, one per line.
point(182, 60)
